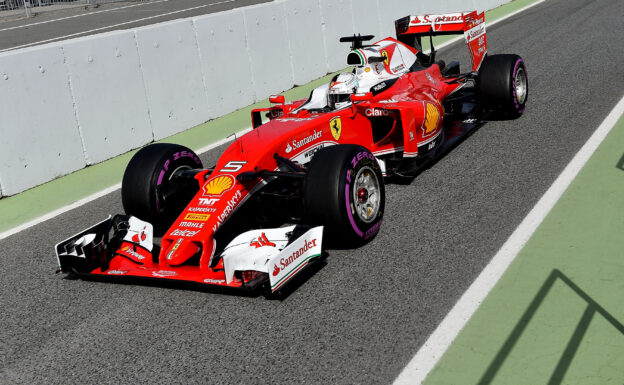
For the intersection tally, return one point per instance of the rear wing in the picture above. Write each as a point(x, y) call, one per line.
point(411, 29)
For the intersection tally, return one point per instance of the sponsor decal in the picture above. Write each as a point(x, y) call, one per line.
point(174, 248)
point(131, 253)
point(197, 217)
point(376, 112)
point(218, 185)
point(201, 209)
point(379, 86)
point(475, 32)
point(310, 153)
point(183, 233)
point(398, 68)
point(137, 238)
point(117, 272)
point(388, 101)
point(164, 273)
point(276, 270)
point(384, 55)
point(228, 209)
point(411, 136)
point(276, 113)
point(195, 225)
point(335, 125)
point(372, 231)
point(438, 19)
point(214, 281)
point(432, 115)
point(361, 155)
point(208, 201)
point(295, 144)
point(284, 262)
point(296, 119)
point(262, 241)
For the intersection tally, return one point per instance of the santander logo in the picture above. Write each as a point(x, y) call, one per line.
point(276, 271)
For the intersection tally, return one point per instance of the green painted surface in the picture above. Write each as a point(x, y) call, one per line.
point(60, 192)
point(557, 314)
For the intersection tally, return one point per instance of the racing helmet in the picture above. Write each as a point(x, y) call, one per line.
point(341, 87)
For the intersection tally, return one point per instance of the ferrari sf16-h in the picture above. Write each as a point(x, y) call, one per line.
point(311, 172)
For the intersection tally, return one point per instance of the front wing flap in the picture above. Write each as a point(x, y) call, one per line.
point(121, 247)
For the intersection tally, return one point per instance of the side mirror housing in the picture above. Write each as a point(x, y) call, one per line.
point(277, 99)
point(361, 97)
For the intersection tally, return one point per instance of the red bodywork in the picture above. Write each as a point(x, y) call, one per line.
point(411, 112)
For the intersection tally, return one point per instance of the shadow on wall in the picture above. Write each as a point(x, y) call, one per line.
point(573, 344)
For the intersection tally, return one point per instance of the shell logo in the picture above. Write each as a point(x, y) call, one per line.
point(432, 115)
point(218, 185)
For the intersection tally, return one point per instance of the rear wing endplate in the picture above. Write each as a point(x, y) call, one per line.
point(411, 29)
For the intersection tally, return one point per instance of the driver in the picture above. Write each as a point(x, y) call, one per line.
point(341, 87)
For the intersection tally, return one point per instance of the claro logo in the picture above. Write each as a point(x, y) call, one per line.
point(376, 112)
point(285, 262)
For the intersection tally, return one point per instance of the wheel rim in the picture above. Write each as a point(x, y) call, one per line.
point(520, 85)
point(366, 194)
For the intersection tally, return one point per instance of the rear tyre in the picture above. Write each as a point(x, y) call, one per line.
point(503, 86)
point(344, 192)
point(148, 190)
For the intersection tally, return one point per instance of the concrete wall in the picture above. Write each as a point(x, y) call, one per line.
point(69, 104)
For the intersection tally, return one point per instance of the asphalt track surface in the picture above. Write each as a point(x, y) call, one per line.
point(81, 21)
point(362, 316)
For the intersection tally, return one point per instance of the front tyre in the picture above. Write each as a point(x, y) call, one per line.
point(503, 86)
point(148, 189)
point(344, 192)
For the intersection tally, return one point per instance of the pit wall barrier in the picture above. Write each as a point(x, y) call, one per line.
point(73, 103)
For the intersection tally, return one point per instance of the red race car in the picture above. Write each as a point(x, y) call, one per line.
point(310, 173)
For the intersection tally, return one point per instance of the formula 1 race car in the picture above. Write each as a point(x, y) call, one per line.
point(309, 174)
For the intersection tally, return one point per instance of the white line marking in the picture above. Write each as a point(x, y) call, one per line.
point(81, 15)
point(106, 191)
point(116, 25)
point(438, 342)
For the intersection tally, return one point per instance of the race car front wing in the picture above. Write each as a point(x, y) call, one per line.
point(122, 246)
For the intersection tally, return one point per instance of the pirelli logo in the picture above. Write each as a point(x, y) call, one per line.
point(197, 217)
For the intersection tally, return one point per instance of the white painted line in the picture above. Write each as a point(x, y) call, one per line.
point(116, 25)
point(106, 191)
point(81, 15)
point(438, 342)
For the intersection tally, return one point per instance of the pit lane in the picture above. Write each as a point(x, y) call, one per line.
point(361, 317)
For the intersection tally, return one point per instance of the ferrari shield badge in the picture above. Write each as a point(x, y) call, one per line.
point(336, 127)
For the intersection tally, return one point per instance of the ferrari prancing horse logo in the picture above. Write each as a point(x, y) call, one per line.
point(335, 125)
point(384, 55)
